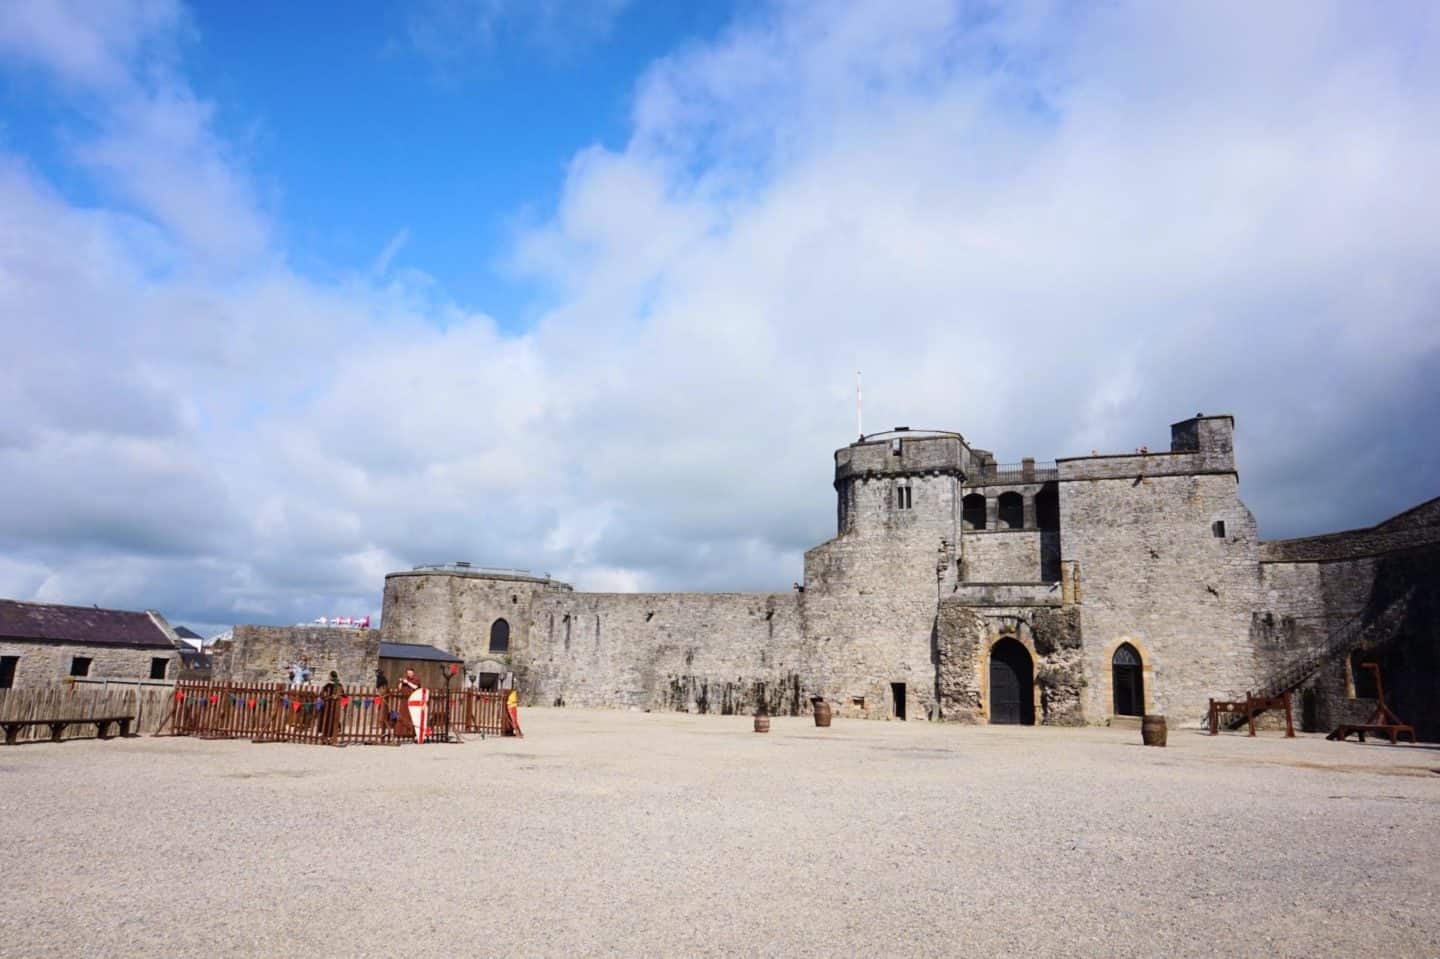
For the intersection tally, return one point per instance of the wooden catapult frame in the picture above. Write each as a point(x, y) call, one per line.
point(1384, 721)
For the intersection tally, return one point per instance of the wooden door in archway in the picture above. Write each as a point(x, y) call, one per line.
point(1128, 682)
point(1012, 699)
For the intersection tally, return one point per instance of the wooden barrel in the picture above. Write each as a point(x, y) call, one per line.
point(1152, 729)
point(822, 712)
point(762, 724)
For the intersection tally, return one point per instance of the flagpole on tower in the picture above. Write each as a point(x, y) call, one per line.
point(859, 407)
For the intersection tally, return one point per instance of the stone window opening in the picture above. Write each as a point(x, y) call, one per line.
point(500, 636)
point(972, 511)
point(902, 497)
point(159, 665)
point(7, 671)
point(1217, 529)
point(80, 666)
point(1012, 511)
point(1047, 509)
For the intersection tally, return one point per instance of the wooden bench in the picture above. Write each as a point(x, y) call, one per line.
point(57, 726)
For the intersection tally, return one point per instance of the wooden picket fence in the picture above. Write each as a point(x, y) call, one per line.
point(149, 705)
point(274, 712)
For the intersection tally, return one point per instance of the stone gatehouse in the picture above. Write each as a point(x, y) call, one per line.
point(958, 588)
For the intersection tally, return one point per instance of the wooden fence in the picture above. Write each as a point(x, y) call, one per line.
point(148, 704)
point(267, 712)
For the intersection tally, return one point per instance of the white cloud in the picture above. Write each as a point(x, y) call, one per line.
point(449, 31)
point(1052, 229)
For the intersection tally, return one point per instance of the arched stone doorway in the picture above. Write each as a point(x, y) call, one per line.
point(1012, 684)
point(1128, 681)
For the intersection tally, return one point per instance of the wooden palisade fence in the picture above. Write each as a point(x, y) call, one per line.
point(149, 704)
point(274, 712)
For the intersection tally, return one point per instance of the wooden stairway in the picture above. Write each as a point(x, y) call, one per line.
point(1355, 631)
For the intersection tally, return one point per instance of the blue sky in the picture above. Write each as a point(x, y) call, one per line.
point(297, 300)
point(359, 138)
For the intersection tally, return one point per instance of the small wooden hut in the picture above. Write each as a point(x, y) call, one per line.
point(430, 664)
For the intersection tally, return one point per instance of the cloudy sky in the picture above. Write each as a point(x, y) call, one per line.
point(581, 286)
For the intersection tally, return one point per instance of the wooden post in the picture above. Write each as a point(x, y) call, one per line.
point(1214, 729)
point(1289, 719)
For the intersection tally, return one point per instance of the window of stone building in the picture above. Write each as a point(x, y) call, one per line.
point(7, 671)
point(1217, 529)
point(972, 511)
point(902, 497)
point(1047, 509)
point(500, 637)
point(80, 666)
point(158, 666)
point(1012, 511)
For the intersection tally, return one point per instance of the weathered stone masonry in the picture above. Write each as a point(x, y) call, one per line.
point(955, 589)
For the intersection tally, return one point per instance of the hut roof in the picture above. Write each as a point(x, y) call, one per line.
point(417, 651)
point(44, 622)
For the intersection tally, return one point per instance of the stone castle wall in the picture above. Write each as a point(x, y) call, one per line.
point(706, 652)
point(1001, 556)
point(263, 654)
point(1317, 586)
point(1155, 574)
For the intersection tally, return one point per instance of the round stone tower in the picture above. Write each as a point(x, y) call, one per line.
point(481, 615)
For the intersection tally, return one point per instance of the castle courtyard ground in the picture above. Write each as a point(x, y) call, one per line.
point(614, 833)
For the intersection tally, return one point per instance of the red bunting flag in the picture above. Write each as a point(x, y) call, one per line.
point(296, 705)
point(249, 704)
point(344, 700)
point(179, 695)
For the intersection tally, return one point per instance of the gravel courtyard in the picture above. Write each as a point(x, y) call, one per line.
point(609, 833)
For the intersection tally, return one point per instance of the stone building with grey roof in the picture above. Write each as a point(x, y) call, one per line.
point(44, 643)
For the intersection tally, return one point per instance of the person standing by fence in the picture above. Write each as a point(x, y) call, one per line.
point(512, 709)
point(330, 697)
